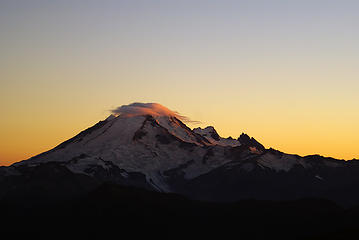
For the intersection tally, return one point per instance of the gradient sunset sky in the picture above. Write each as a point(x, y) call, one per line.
point(285, 72)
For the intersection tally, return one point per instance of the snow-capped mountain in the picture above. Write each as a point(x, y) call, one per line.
point(147, 145)
point(151, 145)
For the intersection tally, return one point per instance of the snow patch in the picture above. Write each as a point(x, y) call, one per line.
point(280, 163)
point(212, 136)
point(319, 177)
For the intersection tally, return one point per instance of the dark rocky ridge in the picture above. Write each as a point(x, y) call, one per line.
point(244, 139)
point(111, 210)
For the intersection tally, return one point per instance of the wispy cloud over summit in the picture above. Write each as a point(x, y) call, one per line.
point(154, 109)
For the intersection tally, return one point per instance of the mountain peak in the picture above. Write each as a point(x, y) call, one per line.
point(213, 137)
point(244, 139)
point(208, 132)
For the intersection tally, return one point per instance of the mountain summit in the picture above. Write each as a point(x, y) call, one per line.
point(147, 145)
point(144, 138)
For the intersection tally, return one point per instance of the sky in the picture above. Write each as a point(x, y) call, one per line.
point(284, 72)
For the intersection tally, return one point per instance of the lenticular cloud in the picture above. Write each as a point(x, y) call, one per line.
point(154, 109)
